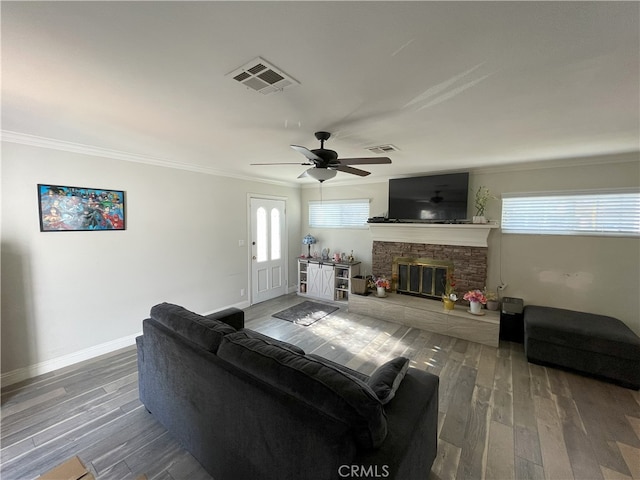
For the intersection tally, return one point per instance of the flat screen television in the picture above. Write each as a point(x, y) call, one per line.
point(429, 199)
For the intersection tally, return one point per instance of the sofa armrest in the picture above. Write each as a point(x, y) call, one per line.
point(412, 419)
point(231, 316)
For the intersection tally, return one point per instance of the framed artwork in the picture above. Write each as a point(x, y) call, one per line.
point(65, 209)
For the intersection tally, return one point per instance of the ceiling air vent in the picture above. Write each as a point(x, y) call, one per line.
point(262, 77)
point(383, 149)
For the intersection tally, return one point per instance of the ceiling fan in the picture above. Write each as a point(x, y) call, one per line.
point(326, 162)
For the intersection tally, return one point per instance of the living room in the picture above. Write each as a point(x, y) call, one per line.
point(68, 297)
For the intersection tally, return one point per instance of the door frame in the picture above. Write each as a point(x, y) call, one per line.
point(285, 242)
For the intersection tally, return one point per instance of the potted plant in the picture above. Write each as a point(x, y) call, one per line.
point(492, 301)
point(382, 284)
point(476, 299)
point(483, 195)
point(449, 297)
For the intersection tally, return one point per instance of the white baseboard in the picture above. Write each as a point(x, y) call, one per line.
point(241, 305)
point(47, 366)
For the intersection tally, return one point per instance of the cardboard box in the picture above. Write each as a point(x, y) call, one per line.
point(72, 469)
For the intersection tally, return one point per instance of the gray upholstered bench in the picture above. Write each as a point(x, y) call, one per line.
point(594, 344)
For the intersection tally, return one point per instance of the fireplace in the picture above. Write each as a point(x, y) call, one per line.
point(467, 263)
point(424, 277)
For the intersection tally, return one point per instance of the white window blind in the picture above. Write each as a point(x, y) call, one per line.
point(612, 212)
point(339, 213)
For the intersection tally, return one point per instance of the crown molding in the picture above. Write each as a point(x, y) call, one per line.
point(536, 164)
point(561, 162)
point(72, 147)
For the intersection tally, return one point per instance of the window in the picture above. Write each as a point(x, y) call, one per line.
point(275, 234)
point(599, 212)
point(261, 234)
point(339, 213)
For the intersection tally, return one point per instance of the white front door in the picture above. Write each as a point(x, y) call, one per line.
point(268, 249)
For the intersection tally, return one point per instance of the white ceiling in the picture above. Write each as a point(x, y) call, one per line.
point(452, 85)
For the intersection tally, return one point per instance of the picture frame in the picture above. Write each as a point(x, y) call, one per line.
point(67, 209)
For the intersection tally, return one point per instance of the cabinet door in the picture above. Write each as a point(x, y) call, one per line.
point(327, 275)
point(314, 280)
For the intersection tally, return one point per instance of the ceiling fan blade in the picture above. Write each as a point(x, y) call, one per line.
point(283, 163)
point(303, 174)
point(354, 171)
point(364, 161)
point(307, 153)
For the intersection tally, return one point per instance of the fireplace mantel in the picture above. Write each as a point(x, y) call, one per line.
point(467, 234)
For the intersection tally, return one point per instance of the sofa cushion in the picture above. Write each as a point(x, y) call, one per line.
point(385, 380)
point(584, 331)
point(347, 370)
point(330, 390)
point(274, 341)
point(205, 332)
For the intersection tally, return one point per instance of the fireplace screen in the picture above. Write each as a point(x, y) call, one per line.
point(421, 276)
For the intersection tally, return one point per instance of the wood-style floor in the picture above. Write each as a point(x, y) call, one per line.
point(500, 417)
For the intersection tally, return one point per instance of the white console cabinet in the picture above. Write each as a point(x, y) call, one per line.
point(325, 280)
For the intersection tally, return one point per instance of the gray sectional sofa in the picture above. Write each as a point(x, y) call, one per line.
point(247, 406)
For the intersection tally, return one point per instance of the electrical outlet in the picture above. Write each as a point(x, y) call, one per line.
point(502, 286)
point(242, 292)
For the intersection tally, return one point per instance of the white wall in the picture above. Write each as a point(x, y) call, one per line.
point(64, 292)
point(68, 292)
point(585, 273)
point(339, 240)
point(593, 274)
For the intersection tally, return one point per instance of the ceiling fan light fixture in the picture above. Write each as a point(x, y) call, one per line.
point(321, 174)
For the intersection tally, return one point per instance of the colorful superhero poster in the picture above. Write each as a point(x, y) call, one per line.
point(75, 208)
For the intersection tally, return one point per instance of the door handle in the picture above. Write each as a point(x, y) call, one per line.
point(254, 257)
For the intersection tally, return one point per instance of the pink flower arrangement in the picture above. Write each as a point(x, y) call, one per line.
point(382, 282)
point(475, 296)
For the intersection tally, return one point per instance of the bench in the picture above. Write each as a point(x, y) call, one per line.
point(593, 344)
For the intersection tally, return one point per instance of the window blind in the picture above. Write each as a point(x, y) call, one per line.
point(339, 213)
point(614, 213)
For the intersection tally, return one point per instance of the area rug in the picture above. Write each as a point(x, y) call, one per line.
point(305, 313)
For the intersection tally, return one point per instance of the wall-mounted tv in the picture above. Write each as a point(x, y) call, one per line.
point(429, 199)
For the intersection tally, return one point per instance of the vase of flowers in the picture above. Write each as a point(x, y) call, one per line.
point(449, 297)
point(476, 299)
point(492, 301)
point(450, 302)
point(382, 284)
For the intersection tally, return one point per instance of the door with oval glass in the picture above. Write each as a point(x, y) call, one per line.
point(268, 249)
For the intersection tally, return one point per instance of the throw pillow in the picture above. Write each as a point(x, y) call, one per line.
point(386, 379)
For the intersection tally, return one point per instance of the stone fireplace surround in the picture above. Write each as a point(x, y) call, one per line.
point(469, 262)
point(465, 245)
